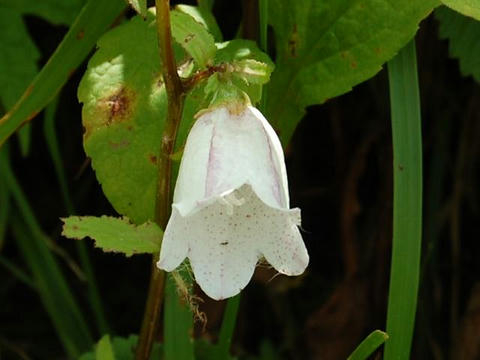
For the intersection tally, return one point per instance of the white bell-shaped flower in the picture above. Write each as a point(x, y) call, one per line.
point(231, 204)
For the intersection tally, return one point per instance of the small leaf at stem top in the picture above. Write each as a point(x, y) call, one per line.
point(193, 37)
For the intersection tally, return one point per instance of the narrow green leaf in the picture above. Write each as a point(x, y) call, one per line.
point(4, 210)
point(178, 324)
point(371, 343)
point(92, 21)
point(407, 203)
point(466, 7)
point(52, 143)
point(203, 16)
point(193, 37)
point(54, 149)
point(104, 350)
point(351, 42)
point(115, 234)
point(140, 6)
point(228, 326)
point(52, 286)
point(17, 272)
point(462, 33)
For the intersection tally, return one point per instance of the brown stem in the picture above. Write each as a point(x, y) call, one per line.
point(175, 99)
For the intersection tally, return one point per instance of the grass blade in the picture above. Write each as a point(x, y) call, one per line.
point(228, 326)
point(51, 284)
point(4, 210)
point(17, 272)
point(81, 247)
point(371, 343)
point(407, 202)
point(178, 323)
point(95, 17)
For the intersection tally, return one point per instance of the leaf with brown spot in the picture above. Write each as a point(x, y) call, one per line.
point(315, 65)
point(124, 109)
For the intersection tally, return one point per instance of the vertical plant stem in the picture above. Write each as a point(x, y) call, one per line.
point(86, 265)
point(175, 98)
point(263, 12)
point(228, 326)
point(407, 203)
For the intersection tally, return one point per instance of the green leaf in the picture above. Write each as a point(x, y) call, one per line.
point(54, 11)
point(371, 343)
point(124, 349)
point(252, 71)
point(247, 56)
point(407, 202)
point(465, 7)
point(124, 113)
point(104, 350)
point(115, 234)
point(52, 287)
point(462, 33)
point(178, 321)
point(350, 43)
point(92, 21)
point(140, 6)
point(193, 37)
point(19, 55)
point(203, 16)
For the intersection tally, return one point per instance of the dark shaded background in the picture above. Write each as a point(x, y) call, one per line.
point(340, 172)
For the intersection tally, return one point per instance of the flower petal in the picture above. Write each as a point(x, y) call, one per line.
point(225, 151)
point(223, 250)
point(174, 244)
point(284, 248)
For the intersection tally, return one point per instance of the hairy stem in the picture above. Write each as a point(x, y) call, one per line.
point(175, 97)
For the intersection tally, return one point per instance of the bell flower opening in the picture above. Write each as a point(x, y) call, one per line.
point(231, 204)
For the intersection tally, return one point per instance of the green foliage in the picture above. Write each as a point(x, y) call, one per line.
point(371, 343)
point(462, 33)
point(124, 108)
point(125, 105)
point(92, 21)
point(349, 43)
point(54, 11)
point(48, 278)
point(465, 7)
point(407, 202)
point(140, 6)
point(205, 17)
point(104, 349)
point(178, 321)
point(18, 54)
point(121, 349)
point(193, 37)
point(245, 56)
point(115, 234)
